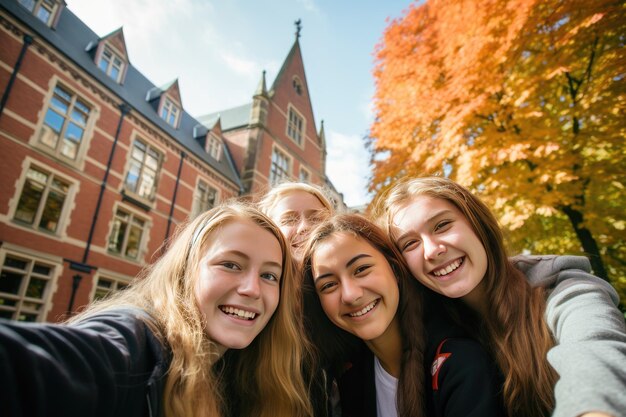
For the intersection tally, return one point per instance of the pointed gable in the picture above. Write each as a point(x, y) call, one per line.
point(290, 92)
point(173, 91)
point(117, 41)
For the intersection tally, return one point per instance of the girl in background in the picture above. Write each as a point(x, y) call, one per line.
point(409, 368)
point(296, 208)
point(226, 282)
point(553, 329)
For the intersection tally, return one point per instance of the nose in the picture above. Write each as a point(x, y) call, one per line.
point(351, 292)
point(303, 226)
point(433, 248)
point(250, 285)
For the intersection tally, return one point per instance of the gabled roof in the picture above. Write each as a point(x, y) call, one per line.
point(71, 36)
point(116, 39)
point(295, 49)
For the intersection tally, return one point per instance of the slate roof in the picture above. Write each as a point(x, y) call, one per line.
point(71, 37)
point(230, 118)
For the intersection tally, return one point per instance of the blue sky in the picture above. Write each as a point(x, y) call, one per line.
point(218, 49)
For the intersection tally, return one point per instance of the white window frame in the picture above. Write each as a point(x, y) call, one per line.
point(133, 161)
point(214, 146)
point(68, 202)
point(36, 7)
point(168, 110)
point(280, 166)
point(200, 204)
point(22, 300)
point(304, 175)
point(76, 105)
point(296, 126)
point(111, 63)
point(145, 230)
point(118, 282)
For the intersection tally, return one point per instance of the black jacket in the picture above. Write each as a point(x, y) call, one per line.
point(465, 384)
point(110, 364)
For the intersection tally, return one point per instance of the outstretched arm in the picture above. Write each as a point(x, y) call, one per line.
point(590, 337)
point(97, 367)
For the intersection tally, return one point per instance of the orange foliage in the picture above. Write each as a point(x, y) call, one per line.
point(522, 101)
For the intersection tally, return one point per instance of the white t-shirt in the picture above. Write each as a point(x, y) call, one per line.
point(386, 388)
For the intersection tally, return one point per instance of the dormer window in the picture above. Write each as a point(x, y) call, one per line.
point(169, 112)
point(111, 64)
point(214, 147)
point(43, 10)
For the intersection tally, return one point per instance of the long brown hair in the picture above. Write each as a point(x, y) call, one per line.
point(516, 331)
point(268, 369)
point(411, 390)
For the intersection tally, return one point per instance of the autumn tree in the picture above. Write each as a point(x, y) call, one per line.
point(523, 102)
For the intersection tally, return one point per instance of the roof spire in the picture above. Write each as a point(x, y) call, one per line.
point(261, 89)
point(298, 24)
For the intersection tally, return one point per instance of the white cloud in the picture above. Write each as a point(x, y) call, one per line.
point(309, 5)
point(241, 65)
point(347, 166)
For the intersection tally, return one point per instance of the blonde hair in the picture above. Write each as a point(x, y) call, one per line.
point(275, 194)
point(516, 330)
point(269, 367)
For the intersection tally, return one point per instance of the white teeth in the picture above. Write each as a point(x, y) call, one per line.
point(242, 314)
point(445, 271)
point(364, 309)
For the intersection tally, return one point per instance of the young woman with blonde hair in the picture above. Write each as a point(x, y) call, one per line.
point(297, 207)
point(553, 329)
point(227, 282)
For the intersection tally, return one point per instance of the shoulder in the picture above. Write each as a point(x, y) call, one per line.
point(465, 381)
point(460, 358)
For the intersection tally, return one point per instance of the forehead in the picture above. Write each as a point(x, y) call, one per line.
point(340, 247)
point(420, 209)
point(243, 235)
point(298, 201)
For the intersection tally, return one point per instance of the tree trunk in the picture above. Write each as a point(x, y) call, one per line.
point(587, 241)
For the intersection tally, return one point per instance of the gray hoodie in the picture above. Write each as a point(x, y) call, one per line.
point(589, 331)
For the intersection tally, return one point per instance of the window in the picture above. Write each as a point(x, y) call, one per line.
point(42, 200)
point(204, 198)
point(126, 234)
point(24, 287)
point(297, 85)
point(214, 147)
point(111, 64)
point(295, 126)
point(169, 112)
point(280, 167)
point(64, 124)
point(106, 286)
point(143, 170)
point(42, 9)
point(304, 175)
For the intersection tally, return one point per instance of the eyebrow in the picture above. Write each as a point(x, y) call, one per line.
point(245, 256)
point(428, 220)
point(350, 262)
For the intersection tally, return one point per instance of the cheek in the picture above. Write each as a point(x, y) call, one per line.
point(328, 305)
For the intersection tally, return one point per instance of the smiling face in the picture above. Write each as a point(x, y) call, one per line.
point(296, 214)
point(356, 286)
point(238, 286)
point(441, 248)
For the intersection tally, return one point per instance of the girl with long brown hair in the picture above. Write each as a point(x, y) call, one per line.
point(569, 348)
point(226, 283)
point(413, 363)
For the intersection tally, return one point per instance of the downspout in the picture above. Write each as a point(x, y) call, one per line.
point(28, 39)
point(180, 169)
point(124, 109)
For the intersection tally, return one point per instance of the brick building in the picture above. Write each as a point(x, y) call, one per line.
point(100, 165)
